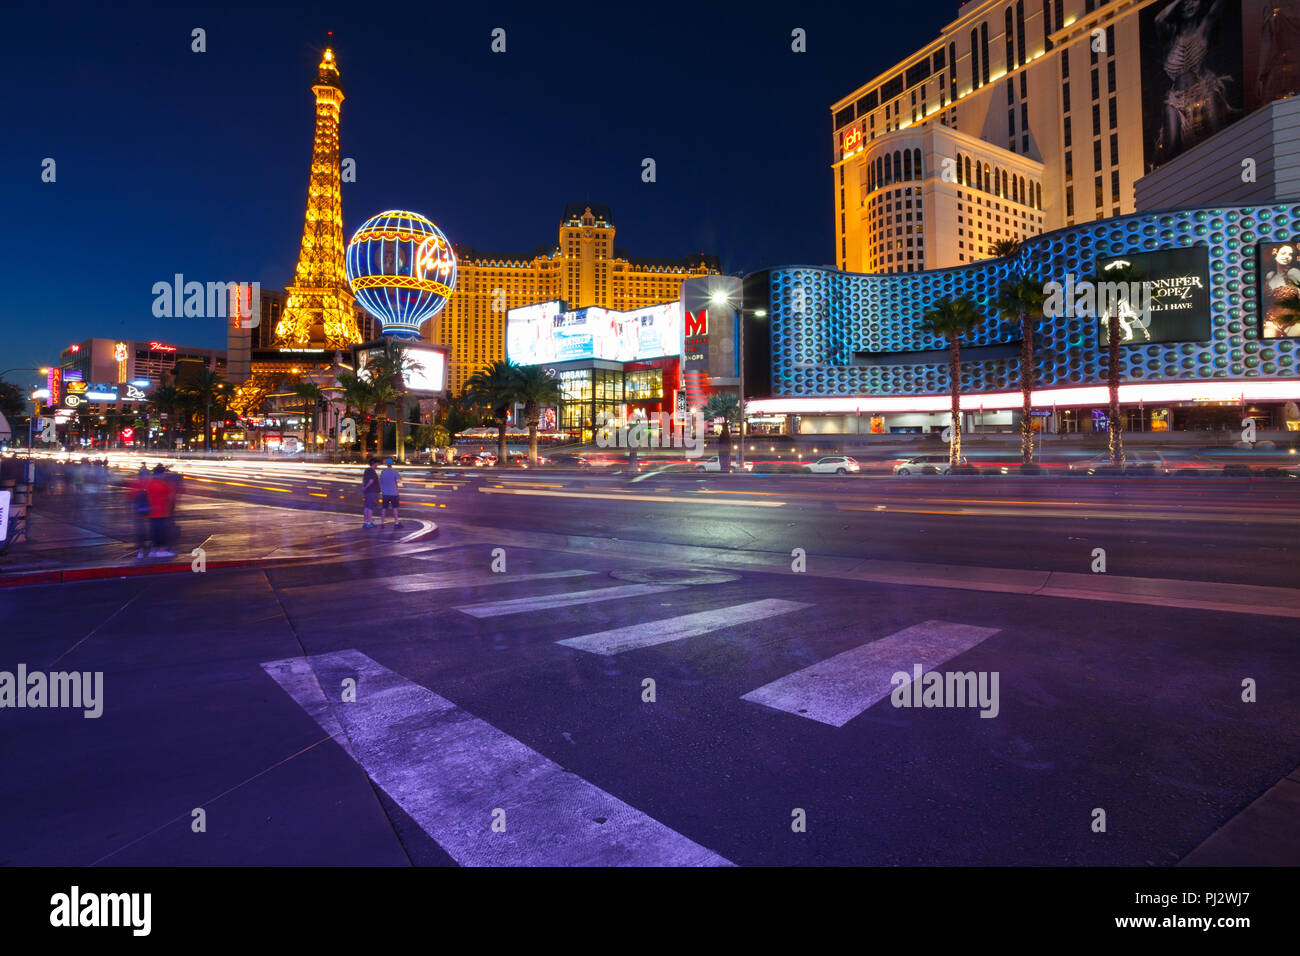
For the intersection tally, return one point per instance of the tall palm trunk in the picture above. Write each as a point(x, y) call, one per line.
point(1026, 389)
point(1112, 385)
point(532, 415)
point(954, 372)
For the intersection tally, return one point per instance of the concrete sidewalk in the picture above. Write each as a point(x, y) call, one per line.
point(92, 533)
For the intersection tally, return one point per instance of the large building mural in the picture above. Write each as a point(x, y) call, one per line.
point(844, 334)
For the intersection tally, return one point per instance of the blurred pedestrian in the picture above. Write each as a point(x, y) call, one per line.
point(173, 528)
point(138, 495)
point(390, 479)
point(161, 498)
point(370, 492)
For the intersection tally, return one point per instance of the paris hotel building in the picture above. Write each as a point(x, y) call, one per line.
point(1021, 117)
point(583, 269)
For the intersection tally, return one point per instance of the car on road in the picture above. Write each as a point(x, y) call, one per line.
point(567, 460)
point(833, 465)
point(926, 465)
point(715, 464)
point(1135, 463)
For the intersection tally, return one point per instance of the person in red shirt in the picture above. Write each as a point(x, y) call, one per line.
point(162, 496)
point(138, 494)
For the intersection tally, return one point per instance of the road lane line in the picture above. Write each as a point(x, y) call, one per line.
point(636, 636)
point(623, 497)
point(441, 580)
point(542, 602)
point(455, 774)
point(836, 690)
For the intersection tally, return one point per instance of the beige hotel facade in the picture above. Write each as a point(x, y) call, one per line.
point(1021, 117)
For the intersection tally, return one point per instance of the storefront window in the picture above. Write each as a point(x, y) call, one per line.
point(644, 385)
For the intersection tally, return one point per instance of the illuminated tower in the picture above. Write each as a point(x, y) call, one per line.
point(319, 312)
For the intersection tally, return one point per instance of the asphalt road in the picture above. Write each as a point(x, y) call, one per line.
point(1237, 530)
point(500, 711)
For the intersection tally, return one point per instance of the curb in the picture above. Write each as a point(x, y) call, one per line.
point(69, 575)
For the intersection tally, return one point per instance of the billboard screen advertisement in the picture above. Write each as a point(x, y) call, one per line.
point(572, 334)
point(1277, 276)
point(1271, 38)
point(658, 330)
point(529, 333)
point(538, 334)
point(1191, 73)
point(1180, 297)
point(426, 367)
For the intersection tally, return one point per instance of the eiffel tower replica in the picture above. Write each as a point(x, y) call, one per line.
point(320, 311)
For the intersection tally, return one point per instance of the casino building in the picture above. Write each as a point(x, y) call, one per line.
point(841, 352)
point(1030, 116)
point(583, 268)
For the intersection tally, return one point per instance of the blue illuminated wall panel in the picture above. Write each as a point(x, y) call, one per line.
point(821, 317)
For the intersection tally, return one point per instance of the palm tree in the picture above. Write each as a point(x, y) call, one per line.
point(358, 397)
point(205, 389)
point(390, 362)
point(494, 387)
point(726, 406)
point(457, 413)
point(165, 400)
point(1020, 300)
point(1126, 275)
point(383, 396)
point(953, 318)
point(311, 393)
point(535, 388)
point(1004, 248)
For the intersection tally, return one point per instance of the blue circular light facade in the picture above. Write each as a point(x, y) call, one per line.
point(821, 317)
point(402, 270)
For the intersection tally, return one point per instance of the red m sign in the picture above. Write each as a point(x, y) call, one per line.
point(697, 323)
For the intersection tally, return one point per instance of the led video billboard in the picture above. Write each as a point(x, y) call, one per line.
point(1191, 73)
point(538, 334)
point(1180, 297)
point(1277, 276)
point(426, 372)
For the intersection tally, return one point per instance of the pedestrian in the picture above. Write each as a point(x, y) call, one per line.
point(370, 492)
point(173, 528)
point(390, 479)
point(161, 498)
point(138, 495)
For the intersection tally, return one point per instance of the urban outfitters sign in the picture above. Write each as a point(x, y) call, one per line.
point(1180, 297)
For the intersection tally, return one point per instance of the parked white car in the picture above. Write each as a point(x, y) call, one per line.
point(714, 464)
point(833, 465)
point(925, 465)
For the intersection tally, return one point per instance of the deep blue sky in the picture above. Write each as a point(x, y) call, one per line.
point(172, 161)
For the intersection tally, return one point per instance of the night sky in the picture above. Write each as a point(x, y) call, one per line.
point(172, 161)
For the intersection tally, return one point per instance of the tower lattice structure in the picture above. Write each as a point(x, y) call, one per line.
point(319, 312)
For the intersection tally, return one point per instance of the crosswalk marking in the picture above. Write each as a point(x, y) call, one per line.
point(542, 602)
point(836, 690)
point(451, 772)
point(441, 580)
point(650, 633)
